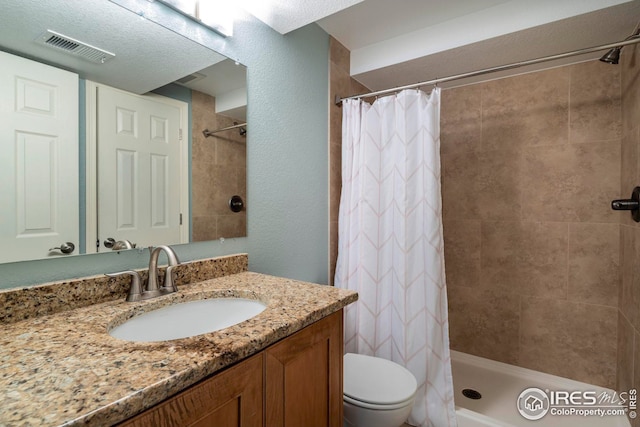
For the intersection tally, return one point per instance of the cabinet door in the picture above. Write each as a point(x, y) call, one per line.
point(232, 398)
point(304, 377)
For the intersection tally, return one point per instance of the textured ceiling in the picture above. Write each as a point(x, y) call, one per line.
point(288, 15)
point(147, 55)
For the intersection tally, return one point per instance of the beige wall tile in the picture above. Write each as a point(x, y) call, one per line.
point(203, 151)
point(629, 303)
point(218, 171)
point(459, 180)
point(462, 253)
point(636, 371)
point(204, 228)
point(335, 180)
point(529, 258)
point(527, 110)
point(484, 323)
point(569, 339)
point(626, 336)
point(630, 88)
point(499, 185)
point(571, 182)
point(594, 263)
point(628, 296)
point(242, 184)
point(333, 250)
point(202, 107)
point(338, 54)
point(232, 225)
point(202, 178)
point(481, 185)
point(629, 171)
point(461, 119)
point(595, 103)
point(357, 87)
point(339, 85)
point(230, 153)
point(543, 204)
point(223, 185)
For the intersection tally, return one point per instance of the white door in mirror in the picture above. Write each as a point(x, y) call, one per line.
point(188, 319)
point(139, 172)
point(38, 159)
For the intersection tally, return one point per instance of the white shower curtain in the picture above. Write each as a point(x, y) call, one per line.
point(390, 246)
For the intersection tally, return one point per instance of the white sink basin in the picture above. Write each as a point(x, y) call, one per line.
point(187, 319)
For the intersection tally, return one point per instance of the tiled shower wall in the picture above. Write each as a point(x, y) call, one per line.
point(218, 171)
point(530, 166)
point(629, 302)
point(532, 248)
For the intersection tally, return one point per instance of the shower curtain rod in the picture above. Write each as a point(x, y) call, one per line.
point(634, 40)
point(207, 133)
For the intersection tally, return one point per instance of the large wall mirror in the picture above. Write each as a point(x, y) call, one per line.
point(122, 63)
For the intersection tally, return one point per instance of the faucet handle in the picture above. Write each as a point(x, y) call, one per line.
point(169, 284)
point(135, 292)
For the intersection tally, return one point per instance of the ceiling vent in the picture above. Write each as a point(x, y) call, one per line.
point(191, 78)
point(74, 47)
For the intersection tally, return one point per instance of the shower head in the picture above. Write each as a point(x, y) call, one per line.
point(613, 55)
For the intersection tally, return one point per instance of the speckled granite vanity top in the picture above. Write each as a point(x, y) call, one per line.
point(65, 369)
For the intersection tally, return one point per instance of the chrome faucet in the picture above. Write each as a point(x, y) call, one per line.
point(137, 292)
point(169, 281)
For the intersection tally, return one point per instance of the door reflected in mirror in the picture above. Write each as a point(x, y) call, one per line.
point(216, 97)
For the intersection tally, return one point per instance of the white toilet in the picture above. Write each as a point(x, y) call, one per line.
point(377, 392)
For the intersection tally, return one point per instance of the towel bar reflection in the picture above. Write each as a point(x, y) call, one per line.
point(241, 126)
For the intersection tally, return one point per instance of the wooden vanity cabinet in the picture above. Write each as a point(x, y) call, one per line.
point(232, 398)
point(304, 377)
point(295, 382)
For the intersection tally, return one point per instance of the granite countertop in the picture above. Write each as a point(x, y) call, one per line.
point(65, 369)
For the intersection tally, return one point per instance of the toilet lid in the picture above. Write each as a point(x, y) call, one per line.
point(378, 381)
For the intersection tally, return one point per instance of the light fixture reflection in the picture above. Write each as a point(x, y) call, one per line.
point(216, 14)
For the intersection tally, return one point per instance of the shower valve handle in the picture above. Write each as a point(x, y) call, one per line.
point(625, 205)
point(632, 204)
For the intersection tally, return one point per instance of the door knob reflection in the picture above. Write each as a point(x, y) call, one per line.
point(66, 248)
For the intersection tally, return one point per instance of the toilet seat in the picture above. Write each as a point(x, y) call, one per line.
point(375, 383)
point(373, 406)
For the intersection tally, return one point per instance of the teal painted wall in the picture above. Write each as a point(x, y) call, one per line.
point(287, 161)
